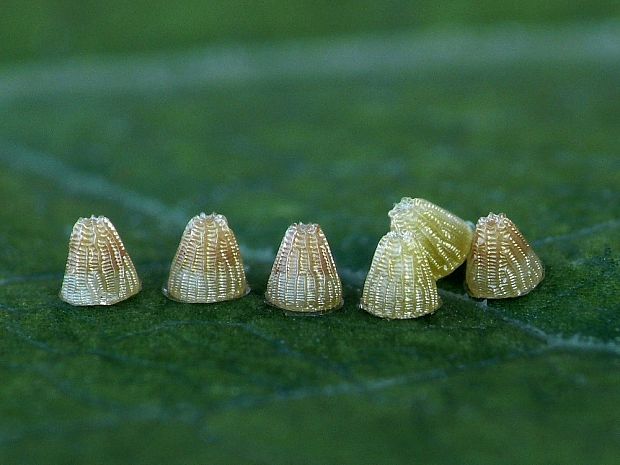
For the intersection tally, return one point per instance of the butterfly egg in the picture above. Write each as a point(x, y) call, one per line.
point(501, 263)
point(400, 282)
point(99, 270)
point(304, 276)
point(207, 266)
point(445, 237)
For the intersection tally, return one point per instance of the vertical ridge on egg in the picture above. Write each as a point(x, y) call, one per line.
point(304, 277)
point(445, 237)
point(99, 270)
point(207, 266)
point(400, 282)
point(501, 263)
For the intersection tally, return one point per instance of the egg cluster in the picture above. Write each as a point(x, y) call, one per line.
point(425, 243)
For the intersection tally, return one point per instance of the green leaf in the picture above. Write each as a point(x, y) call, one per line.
point(521, 121)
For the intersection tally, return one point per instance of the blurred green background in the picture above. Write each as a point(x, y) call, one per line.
point(48, 29)
point(275, 112)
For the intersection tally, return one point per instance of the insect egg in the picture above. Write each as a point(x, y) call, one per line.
point(99, 270)
point(501, 263)
point(400, 282)
point(207, 266)
point(445, 237)
point(304, 276)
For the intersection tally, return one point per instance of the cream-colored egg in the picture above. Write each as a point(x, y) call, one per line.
point(304, 276)
point(445, 237)
point(99, 270)
point(400, 282)
point(501, 263)
point(208, 266)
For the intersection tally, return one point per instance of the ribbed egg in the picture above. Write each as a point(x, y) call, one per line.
point(304, 276)
point(207, 266)
point(99, 270)
point(445, 237)
point(501, 263)
point(400, 282)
